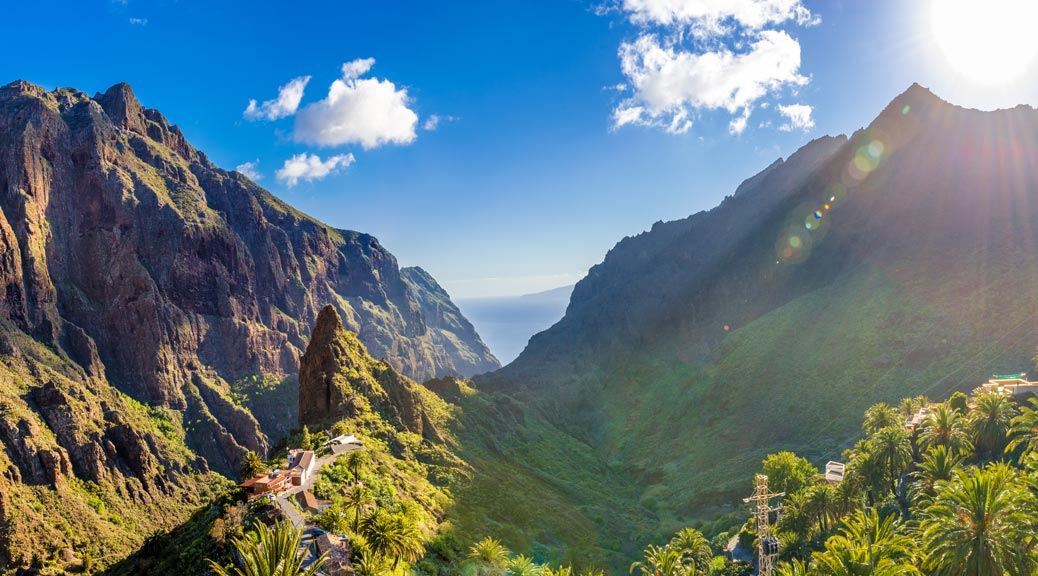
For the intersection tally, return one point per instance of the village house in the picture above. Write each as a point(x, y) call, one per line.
point(919, 418)
point(267, 482)
point(300, 466)
point(834, 472)
point(298, 469)
point(311, 503)
point(339, 550)
point(1010, 385)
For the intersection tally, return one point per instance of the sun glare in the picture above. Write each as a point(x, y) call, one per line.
point(990, 42)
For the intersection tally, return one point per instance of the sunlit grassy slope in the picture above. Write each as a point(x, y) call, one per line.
point(901, 260)
point(652, 442)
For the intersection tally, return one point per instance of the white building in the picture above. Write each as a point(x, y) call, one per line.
point(344, 443)
point(834, 472)
point(300, 465)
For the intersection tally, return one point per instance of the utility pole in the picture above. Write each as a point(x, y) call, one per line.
point(767, 544)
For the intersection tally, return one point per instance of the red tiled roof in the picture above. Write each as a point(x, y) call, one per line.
point(309, 501)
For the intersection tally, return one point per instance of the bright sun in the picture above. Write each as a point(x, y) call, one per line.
point(988, 42)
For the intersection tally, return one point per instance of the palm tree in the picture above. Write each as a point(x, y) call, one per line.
point(693, 547)
point(880, 416)
point(821, 504)
point(371, 565)
point(1023, 430)
point(865, 470)
point(893, 452)
point(251, 464)
point(990, 419)
point(391, 536)
point(522, 565)
point(661, 561)
point(560, 571)
point(796, 521)
point(355, 461)
point(489, 556)
point(849, 495)
point(946, 427)
point(357, 498)
point(795, 567)
point(938, 465)
point(865, 546)
point(270, 552)
point(978, 525)
point(909, 406)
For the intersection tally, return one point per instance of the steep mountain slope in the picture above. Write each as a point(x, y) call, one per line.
point(159, 284)
point(901, 260)
point(85, 470)
point(337, 378)
point(480, 453)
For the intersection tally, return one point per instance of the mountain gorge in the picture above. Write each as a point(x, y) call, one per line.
point(159, 317)
point(140, 286)
point(898, 261)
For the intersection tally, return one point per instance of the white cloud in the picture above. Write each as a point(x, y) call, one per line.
point(738, 124)
point(310, 167)
point(692, 56)
point(798, 117)
point(365, 111)
point(139, 21)
point(250, 169)
point(356, 68)
point(670, 83)
point(717, 17)
point(433, 121)
point(286, 103)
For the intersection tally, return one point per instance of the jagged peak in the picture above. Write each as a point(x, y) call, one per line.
point(123, 108)
point(23, 87)
point(328, 322)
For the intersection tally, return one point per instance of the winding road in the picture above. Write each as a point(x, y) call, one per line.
point(283, 499)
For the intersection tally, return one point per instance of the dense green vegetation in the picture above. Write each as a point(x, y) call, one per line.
point(270, 552)
point(957, 495)
point(76, 524)
point(272, 400)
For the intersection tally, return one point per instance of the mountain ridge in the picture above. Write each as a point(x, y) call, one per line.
point(136, 274)
point(900, 260)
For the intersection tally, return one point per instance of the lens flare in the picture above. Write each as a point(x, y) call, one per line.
point(837, 193)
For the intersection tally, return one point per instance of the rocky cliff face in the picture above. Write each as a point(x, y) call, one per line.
point(449, 326)
point(113, 229)
point(338, 379)
point(85, 470)
point(153, 280)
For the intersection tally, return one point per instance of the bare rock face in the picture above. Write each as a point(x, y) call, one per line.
point(137, 282)
point(125, 248)
point(339, 379)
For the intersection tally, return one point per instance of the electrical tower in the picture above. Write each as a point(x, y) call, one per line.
point(767, 544)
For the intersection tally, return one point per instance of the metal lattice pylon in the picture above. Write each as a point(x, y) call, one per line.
point(767, 544)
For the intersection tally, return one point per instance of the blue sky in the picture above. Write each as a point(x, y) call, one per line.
point(526, 181)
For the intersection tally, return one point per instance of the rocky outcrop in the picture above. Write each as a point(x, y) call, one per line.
point(138, 281)
point(447, 325)
point(339, 379)
point(115, 230)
